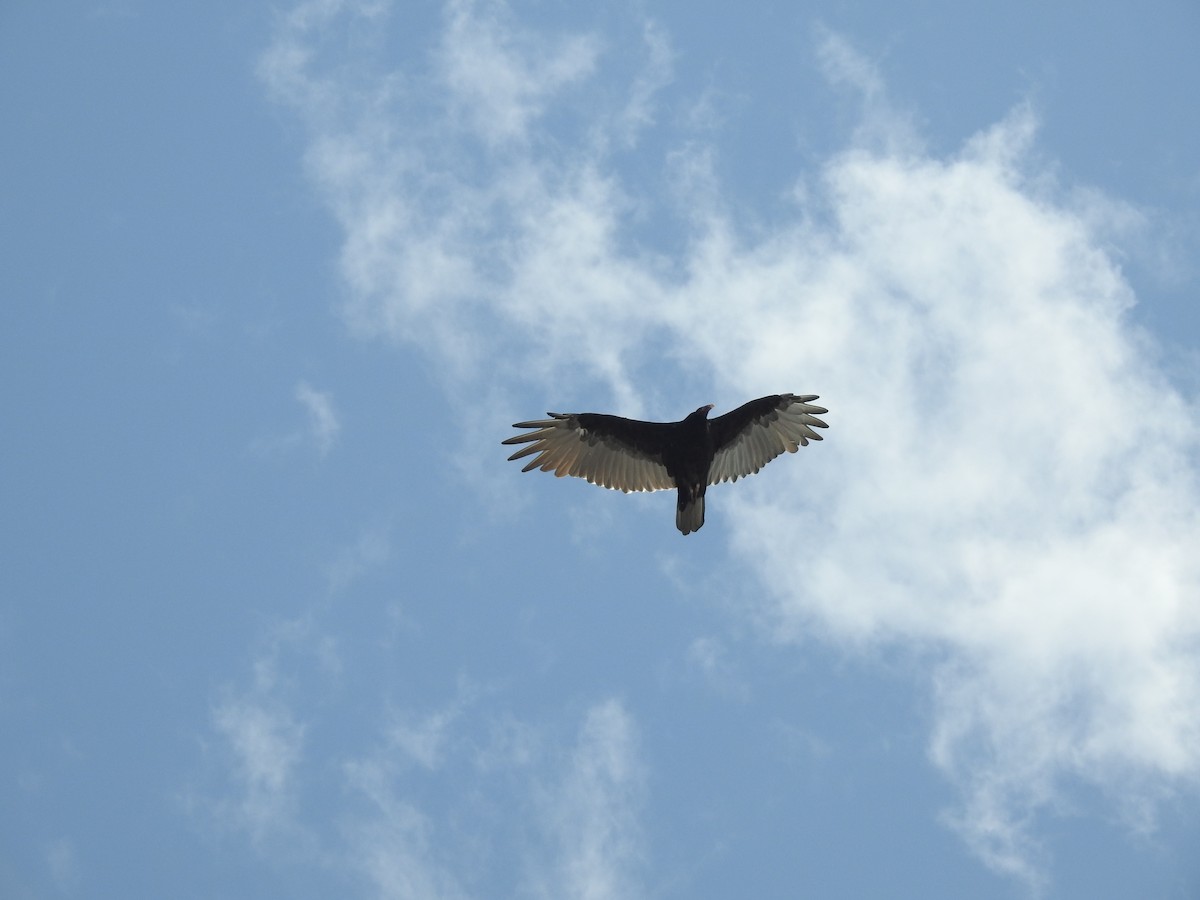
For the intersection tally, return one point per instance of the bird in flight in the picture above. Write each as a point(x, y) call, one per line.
point(689, 455)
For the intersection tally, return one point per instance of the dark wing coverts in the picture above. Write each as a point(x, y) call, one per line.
point(755, 433)
point(622, 454)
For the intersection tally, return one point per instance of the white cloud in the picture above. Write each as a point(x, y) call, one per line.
point(441, 803)
point(712, 658)
point(1014, 486)
point(322, 431)
point(63, 862)
point(572, 818)
point(373, 827)
point(372, 549)
point(880, 124)
point(500, 76)
point(323, 424)
point(423, 738)
point(266, 745)
point(1009, 480)
point(591, 816)
point(392, 847)
point(639, 110)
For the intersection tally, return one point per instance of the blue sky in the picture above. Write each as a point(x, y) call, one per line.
point(277, 618)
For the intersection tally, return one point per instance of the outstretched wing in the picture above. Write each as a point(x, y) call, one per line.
point(622, 454)
point(752, 435)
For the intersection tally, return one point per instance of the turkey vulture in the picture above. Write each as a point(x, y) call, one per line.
point(630, 455)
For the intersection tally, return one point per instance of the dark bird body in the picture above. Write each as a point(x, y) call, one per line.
point(689, 455)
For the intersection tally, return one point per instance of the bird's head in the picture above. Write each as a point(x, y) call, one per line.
point(702, 412)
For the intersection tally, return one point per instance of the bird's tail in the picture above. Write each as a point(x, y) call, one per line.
point(689, 510)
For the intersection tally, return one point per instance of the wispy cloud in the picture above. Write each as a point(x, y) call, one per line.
point(63, 862)
point(499, 76)
point(374, 830)
point(371, 549)
point(411, 807)
point(881, 124)
point(711, 657)
point(322, 431)
point(393, 846)
point(323, 424)
point(575, 823)
point(452, 242)
point(422, 738)
point(592, 813)
point(265, 744)
point(1010, 480)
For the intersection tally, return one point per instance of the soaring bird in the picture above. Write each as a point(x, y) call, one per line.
point(689, 455)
